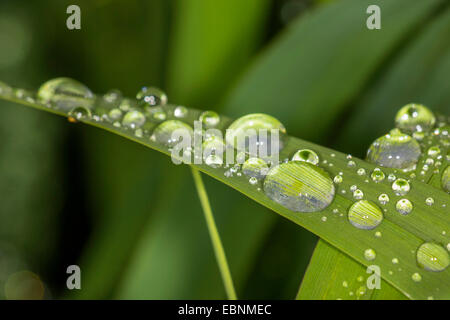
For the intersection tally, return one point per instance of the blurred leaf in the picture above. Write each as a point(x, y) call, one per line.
point(210, 43)
point(333, 275)
point(418, 74)
point(310, 74)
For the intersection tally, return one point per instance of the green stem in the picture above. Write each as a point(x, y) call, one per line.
point(214, 234)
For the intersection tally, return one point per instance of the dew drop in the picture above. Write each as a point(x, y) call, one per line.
point(299, 186)
point(400, 187)
point(133, 119)
point(358, 194)
point(151, 96)
point(416, 277)
point(377, 175)
point(338, 179)
point(209, 119)
point(115, 114)
point(370, 254)
point(253, 181)
point(404, 206)
point(365, 214)
point(429, 201)
point(432, 257)
point(65, 94)
point(213, 149)
point(394, 150)
point(180, 112)
point(306, 155)
point(79, 113)
point(415, 117)
point(383, 198)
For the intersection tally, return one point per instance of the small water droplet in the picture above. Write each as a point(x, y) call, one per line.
point(370, 254)
point(358, 194)
point(338, 179)
point(401, 187)
point(394, 260)
point(416, 277)
point(151, 96)
point(133, 119)
point(79, 113)
point(299, 186)
point(209, 119)
point(383, 198)
point(115, 114)
point(429, 201)
point(306, 155)
point(404, 206)
point(365, 214)
point(253, 181)
point(361, 172)
point(377, 175)
point(180, 112)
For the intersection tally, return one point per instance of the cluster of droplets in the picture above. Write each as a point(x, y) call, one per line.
point(298, 183)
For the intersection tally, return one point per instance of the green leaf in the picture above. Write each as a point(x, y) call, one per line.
point(401, 235)
point(333, 275)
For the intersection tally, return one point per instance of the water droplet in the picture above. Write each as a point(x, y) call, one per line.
point(395, 150)
point(112, 96)
point(358, 194)
point(432, 257)
point(306, 155)
point(345, 284)
point(5, 89)
point(404, 206)
point(445, 180)
point(65, 94)
point(365, 214)
point(79, 113)
point(163, 132)
point(255, 128)
point(338, 179)
point(133, 119)
point(415, 117)
point(394, 260)
point(115, 114)
point(299, 186)
point(324, 219)
point(180, 112)
point(213, 149)
point(416, 277)
point(361, 291)
point(361, 172)
point(152, 96)
point(370, 254)
point(378, 234)
point(209, 119)
point(434, 151)
point(377, 175)
point(255, 167)
point(253, 180)
point(401, 187)
point(429, 201)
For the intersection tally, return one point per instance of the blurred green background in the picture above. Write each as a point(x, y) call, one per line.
point(126, 215)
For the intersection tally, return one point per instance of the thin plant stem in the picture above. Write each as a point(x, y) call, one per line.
point(214, 234)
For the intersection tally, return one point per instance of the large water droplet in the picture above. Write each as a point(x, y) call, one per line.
point(365, 214)
point(395, 150)
point(415, 117)
point(306, 155)
point(252, 129)
point(299, 186)
point(432, 257)
point(65, 94)
point(152, 96)
point(163, 133)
